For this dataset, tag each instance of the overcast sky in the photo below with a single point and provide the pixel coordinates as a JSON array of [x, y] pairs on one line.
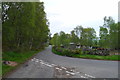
[[65, 15]]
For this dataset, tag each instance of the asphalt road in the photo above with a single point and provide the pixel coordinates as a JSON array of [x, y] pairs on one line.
[[49, 65]]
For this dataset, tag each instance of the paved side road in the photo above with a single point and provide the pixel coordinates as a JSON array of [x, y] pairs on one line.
[[48, 65]]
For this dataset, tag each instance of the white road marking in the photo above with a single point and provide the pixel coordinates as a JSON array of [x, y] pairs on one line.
[[48, 65], [67, 74], [36, 61], [89, 76], [63, 67], [32, 59], [77, 72], [83, 77], [70, 72], [60, 69], [53, 65], [56, 68], [40, 60]]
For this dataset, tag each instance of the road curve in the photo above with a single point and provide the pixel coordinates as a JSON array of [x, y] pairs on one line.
[[49, 65]]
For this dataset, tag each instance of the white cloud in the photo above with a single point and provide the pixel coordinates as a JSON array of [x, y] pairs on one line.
[[65, 15]]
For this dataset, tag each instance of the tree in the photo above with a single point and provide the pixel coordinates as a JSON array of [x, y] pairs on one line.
[[61, 39], [25, 26], [109, 33], [74, 37], [78, 30], [119, 35], [55, 40], [114, 36], [87, 36], [104, 37]]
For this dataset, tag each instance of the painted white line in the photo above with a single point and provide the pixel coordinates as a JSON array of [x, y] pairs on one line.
[[89, 76], [48, 65], [53, 65], [36, 61], [70, 72], [83, 77], [32, 59], [60, 69], [63, 67], [40, 60], [57, 68]]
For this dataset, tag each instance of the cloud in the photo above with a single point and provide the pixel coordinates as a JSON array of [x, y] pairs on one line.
[[65, 15]]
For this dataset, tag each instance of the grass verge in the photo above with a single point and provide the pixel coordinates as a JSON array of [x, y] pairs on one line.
[[86, 56], [20, 58]]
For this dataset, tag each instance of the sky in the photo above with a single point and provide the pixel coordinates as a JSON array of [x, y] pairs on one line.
[[65, 15]]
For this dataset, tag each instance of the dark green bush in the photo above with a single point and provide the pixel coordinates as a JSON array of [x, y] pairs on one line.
[[67, 52]]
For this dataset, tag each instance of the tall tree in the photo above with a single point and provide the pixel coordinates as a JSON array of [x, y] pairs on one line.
[[109, 33], [114, 36], [87, 36], [25, 26], [55, 40], [74, 38], [78, 30], [104, 37]]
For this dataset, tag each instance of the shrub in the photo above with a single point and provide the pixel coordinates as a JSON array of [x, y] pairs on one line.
[[67, 52]]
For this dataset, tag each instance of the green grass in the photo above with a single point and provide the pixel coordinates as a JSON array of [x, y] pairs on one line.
[[86, 56], [112, 57], [17, 57]]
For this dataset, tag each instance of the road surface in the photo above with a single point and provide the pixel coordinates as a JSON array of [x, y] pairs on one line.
[[49, 65]]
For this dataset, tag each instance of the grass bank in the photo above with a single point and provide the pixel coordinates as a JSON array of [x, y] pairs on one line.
[[86, 56], [20, 58]]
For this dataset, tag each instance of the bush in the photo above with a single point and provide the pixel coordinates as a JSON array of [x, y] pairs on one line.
[[66, 52], [69, 52]]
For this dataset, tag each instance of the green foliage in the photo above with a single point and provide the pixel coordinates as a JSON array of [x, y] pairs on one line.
[[60, 39], [74, 38], [71, 53], [80, 35], [114, 36], [24, 25], [109, 34], [104, 37], [78, 30], [24, 30], [87, 36], [55, 40], [66, 52]]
